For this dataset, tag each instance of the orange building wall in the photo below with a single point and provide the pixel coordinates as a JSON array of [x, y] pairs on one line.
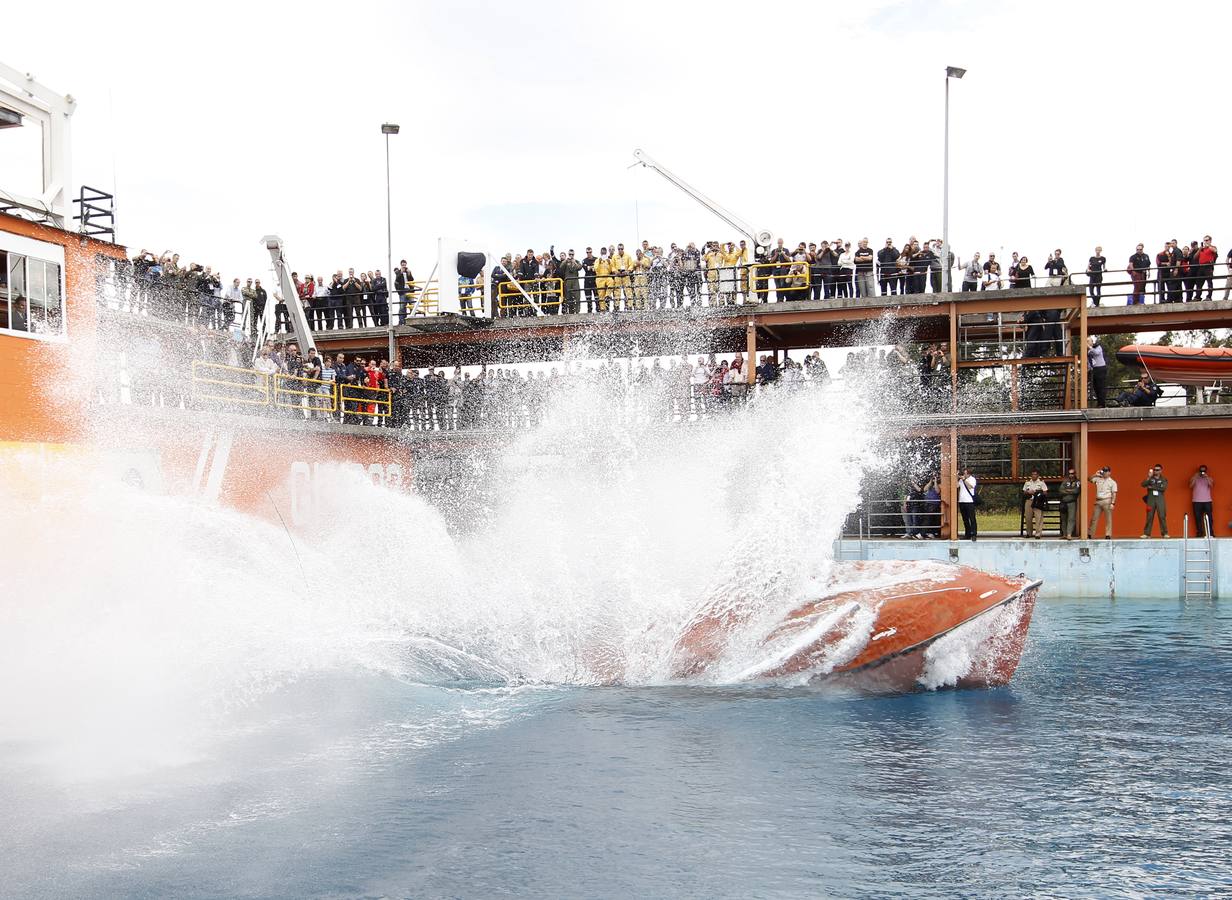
[[1180, 451], [29, 367]]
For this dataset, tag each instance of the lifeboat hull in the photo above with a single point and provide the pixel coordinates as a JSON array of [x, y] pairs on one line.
[[1182, 365], [913, 627]]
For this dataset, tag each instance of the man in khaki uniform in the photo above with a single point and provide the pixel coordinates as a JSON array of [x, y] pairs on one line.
[[1105, 501], [1036, 492]]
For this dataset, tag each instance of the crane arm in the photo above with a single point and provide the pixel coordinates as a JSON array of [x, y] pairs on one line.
[[290, 296], [760, 238]]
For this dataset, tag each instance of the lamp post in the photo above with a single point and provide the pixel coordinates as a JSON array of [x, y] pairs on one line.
[[387, 129], [950, 72]]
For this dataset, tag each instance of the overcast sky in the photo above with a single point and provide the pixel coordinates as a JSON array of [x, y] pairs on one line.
[[1078, 123]]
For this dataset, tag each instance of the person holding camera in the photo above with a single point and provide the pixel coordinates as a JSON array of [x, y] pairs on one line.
[[1200, 485], [1105, 501], [1155, 485], [1036, 494], [968, 497]]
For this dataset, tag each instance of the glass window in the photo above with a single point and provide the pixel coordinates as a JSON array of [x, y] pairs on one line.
[[55, 306], [35, 279], [31, 295], [36, 306], [4, 289], [18, 320]]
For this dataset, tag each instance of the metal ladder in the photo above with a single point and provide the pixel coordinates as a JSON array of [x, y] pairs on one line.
[[1198, 565], [842, 550]]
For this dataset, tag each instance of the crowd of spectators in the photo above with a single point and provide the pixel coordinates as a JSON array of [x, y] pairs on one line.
[[652, 277], [362, 390]]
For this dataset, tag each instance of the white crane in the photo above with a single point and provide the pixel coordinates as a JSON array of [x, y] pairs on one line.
[[760, 237]]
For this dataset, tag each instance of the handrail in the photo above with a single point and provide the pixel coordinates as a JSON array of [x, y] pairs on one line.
[[282, 378], [381, 399], [261, 385], [508, 295]]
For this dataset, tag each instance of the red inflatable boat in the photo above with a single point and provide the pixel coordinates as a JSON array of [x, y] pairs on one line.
[[1182, 365], [888, 627]]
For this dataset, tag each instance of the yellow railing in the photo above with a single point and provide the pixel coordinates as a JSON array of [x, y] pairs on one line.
[[229, 384], [366, 401], [798, 277], [232, 384], [290, 391], [429, 300], [544, 291]]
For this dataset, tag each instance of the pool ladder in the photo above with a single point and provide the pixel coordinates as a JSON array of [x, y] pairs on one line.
[[843, 549], [1198, 565]]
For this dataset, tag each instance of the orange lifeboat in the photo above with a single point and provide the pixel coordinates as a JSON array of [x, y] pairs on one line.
[[888, 627], [1182, 365]]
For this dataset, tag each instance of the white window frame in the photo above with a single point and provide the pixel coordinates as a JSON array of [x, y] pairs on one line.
[[39, 251]]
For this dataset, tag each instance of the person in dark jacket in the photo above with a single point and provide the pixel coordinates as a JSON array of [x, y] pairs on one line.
[[380, 299], [1144, 393], [1139, 268], [589, 282], [400, 402], [528, 275], [568, 272], [1071, 490], [353, 298], [887, 268], [404, 287], [1156, 486]]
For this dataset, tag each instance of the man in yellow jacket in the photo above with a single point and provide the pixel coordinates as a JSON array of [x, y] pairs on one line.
[[641, 279], [603, 279], [713, 260], [622, 282]]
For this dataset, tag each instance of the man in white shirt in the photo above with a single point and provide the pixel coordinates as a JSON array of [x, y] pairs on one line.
[[1105, 501], [967, 492]]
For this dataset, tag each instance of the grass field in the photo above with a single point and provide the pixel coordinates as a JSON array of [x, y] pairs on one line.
[[998, 520]]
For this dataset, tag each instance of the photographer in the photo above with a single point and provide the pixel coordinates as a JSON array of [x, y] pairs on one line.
[[1201, 486], [1105, 501], [1156, 485], [1035, 493]]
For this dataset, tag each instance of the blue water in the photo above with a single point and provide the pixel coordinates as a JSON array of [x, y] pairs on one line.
[[1102, 771]]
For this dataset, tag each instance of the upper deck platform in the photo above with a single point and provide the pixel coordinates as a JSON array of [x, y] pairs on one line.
[[463, 340]]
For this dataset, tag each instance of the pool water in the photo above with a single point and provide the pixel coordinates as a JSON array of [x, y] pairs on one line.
[[1103, 770]]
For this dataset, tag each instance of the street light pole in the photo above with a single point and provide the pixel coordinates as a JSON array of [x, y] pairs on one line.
[[387, 129], [950, 72]]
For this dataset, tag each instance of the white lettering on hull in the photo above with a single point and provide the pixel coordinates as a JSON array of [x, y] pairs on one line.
[[307, 481]]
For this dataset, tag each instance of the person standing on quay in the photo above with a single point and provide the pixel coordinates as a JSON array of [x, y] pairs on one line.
[[967, 492], [1071, 489], [1155, 485], [1036, 492], [1201, 485], [1105, 501]]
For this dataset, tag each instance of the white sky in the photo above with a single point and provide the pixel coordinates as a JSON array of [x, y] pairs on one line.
[[1078, 123]]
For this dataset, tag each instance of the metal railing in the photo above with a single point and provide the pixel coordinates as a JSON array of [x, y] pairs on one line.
[[226, 385], [181, 298], [548, 293], [312, 394], [361, 400], [229, 384]]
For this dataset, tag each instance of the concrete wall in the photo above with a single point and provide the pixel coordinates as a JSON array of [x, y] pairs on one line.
[[1124, 569]]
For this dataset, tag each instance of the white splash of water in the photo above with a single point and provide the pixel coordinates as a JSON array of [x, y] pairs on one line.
[[972, 648], [137, 622]]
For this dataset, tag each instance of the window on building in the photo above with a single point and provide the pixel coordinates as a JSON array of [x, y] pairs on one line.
[[31, 295]]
